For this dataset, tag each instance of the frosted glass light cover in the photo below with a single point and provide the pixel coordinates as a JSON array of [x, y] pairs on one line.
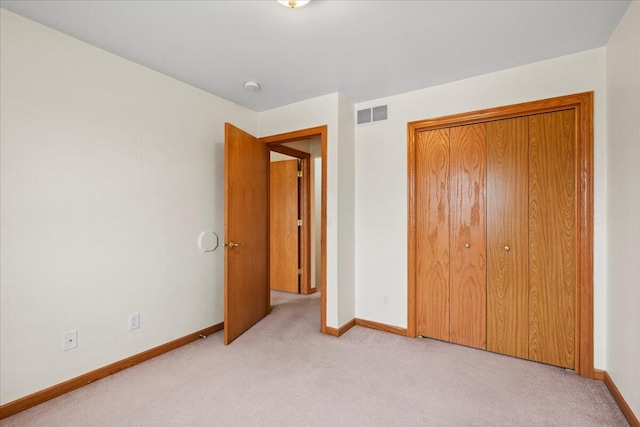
[[293, 3]]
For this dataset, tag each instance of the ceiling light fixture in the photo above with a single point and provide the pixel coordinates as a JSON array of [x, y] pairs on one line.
[[252, 86], [293, 3]]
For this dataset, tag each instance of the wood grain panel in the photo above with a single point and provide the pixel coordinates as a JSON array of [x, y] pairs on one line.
[[432, 237], [246, 221], [508, 228], [582, 100], [582, 104], [468, 309], [412, 231], [552, 238], [584, 256], [283, 228]]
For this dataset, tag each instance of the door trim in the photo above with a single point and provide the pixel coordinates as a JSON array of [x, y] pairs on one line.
[[582, 104], [304, 205], [274, 143], [291, 152]]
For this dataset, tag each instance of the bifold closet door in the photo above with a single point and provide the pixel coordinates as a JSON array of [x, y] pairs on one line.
[[496, 232], [507, 237], [432, 237], [468, 303], [552, 238]]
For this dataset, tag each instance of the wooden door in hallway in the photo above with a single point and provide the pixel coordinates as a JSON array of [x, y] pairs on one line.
[[246, 290], [284, 233]]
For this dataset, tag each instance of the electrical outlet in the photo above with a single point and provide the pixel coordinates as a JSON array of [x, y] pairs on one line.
[[70, 340], [134, 321], [385, 299]]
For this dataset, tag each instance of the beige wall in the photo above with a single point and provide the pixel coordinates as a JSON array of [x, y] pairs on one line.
[[109, 172], [623, 200], [346, 202]]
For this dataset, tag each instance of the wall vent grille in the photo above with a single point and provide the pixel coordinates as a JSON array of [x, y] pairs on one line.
[[372, 115]]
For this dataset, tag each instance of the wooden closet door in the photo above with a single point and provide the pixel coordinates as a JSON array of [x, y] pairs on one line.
[[432, 237], [552, 238], [507, 237], [468, 317]]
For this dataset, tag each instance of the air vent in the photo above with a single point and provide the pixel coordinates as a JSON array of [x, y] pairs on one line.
[[372, 115], [364, 116], [380, 113]]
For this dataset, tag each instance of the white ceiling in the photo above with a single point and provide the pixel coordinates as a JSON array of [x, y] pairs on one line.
[[364, 49]]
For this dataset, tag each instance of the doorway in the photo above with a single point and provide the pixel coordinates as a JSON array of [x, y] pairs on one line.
[[294, 216], [246, 260], [309, 148]]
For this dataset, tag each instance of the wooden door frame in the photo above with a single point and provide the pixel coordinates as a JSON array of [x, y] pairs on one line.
[[582, 104], [274, 143], [304, 206]]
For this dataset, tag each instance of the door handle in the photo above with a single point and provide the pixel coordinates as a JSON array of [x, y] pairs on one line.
[[232, 244]]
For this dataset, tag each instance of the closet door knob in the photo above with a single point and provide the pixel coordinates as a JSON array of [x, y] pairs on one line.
[[507, 248], [466, 245]]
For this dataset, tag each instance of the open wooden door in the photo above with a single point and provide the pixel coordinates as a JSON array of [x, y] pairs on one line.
[[246, 218]]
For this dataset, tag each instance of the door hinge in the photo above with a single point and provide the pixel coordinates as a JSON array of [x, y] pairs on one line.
[[299, 223], [299, 271], [299, 174]]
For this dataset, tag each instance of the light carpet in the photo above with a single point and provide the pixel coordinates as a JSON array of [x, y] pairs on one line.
[[284, 372]]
